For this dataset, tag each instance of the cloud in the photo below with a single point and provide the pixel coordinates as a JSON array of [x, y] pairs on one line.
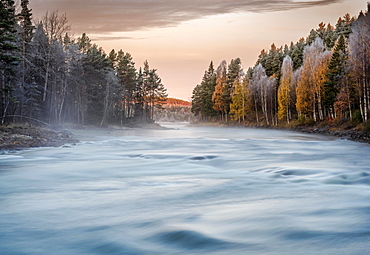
[[106, 16], [112, 38]]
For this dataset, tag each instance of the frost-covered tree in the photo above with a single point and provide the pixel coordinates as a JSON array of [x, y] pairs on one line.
[[310, 87], [359, 57], [264, 92]]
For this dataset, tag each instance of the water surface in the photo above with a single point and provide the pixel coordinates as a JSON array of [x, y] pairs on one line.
[[189, 190]]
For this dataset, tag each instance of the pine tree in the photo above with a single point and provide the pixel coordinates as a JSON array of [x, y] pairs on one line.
[[335, 74], [84, 42], [208, 84], [234, 72], [127, 75], [26, 32], [202, 104], [311, 37], [196, 100], [9, 57], [95, 68], [153, 90], [25, 19], [343, 26], [297, 54]]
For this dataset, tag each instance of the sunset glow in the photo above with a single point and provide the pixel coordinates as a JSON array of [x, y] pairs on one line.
[[180, 38]]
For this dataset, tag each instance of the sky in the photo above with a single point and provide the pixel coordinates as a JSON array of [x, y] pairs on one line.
[[180, 38]]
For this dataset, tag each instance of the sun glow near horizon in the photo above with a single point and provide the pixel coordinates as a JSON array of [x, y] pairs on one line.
[[181, 51]]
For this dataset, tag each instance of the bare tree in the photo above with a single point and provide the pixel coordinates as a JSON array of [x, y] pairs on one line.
[[55, 26]]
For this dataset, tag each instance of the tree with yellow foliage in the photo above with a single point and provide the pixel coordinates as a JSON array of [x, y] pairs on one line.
[[220, 95], [284, 98], [239, 104], [319, 78], [313, 76]]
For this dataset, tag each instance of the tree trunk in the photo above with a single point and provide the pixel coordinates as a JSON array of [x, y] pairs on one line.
[[47, 73]]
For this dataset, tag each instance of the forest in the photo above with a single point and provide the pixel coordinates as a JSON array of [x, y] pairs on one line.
[[46, 76], [324, 77]]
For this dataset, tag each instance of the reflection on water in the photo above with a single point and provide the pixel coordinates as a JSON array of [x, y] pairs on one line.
[[187, 190]]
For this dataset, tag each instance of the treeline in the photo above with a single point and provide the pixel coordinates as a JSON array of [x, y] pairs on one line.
[[47, 76], [325, 76]]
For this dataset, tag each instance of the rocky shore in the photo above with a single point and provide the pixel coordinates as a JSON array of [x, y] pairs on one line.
[[20, 137], [351, 134]]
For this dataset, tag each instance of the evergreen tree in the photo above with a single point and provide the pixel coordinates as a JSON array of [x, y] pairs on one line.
[[127, 76], [196, 100], [330, 37], [84, 42], [95, 68], [297, 54], [9, 57], [25, 19], [343, 26], [335, 75], [26, 32], [202, 104], [153, 90], [311, 37], [234, 72]]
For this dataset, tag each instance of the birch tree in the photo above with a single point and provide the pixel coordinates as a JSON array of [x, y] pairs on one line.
[[359, 57], [284, 92]]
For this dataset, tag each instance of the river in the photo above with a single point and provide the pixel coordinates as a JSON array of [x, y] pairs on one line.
[[187, 190]]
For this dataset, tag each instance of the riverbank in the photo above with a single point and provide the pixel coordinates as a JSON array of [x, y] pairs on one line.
[[344, 131], [16, 137], [350, 134], [22, 136]]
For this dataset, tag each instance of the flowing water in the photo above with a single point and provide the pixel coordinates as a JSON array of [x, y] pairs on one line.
[[188, 190]]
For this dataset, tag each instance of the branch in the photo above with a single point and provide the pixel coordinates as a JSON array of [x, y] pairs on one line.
[[19, 116]]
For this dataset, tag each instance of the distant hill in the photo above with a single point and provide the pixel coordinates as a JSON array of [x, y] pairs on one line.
[[174, 109], [176, 102]]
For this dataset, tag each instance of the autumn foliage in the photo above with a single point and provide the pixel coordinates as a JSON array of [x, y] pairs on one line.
[[324, 76]]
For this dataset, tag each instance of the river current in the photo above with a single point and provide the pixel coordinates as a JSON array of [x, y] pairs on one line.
[[187, 190]]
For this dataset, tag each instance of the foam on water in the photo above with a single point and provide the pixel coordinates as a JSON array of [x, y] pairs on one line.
[[185, 190]]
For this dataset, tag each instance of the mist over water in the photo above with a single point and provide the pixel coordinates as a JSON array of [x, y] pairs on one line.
[[187, 190]]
